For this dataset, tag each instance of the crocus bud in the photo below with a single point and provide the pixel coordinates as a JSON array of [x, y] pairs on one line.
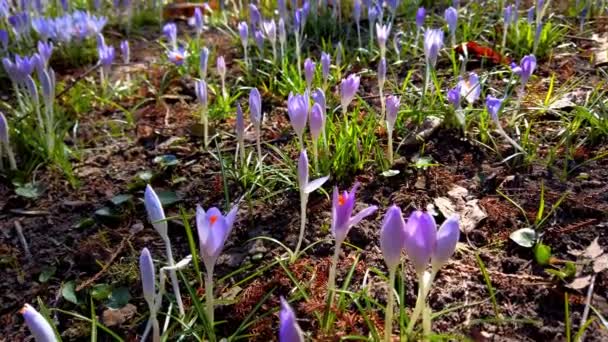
[[357, 11], [392, 235], [348, 90], [45, 50], [213, 230], [493, 106], [447, 238], [125, 51], [420, 239], [318, 96], [254, 16], [282, 32], [531, 15], [454, 96], [433, 42], [392, 109], [148, 276], [451, 17], [243, 33], [240, 122], [508, 14], [255, 106], [309, 72], [382, 33], [420, 16], [221, 67], [526, 68], [4, 39], [170, 32], [259, 40], [297, 108], [325, 63], [270, 29], [470, 88], [200, 88], [307, 187], [289, 330], [156, 214], [198, 20], [339, 54], [317, 121], [203, 62], [382, 72], [38, 325], [342, 209]]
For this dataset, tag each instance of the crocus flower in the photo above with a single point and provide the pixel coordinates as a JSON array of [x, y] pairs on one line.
[[221, 67], [357, 11], [38, 325], [318, 96], [4, 39], [240, 130], [420, 15], [255, 106], [309, 72], [170, 31], [373, 12], [530, 17], [508, 14], [282, 36], [297, 108], [342, 220], [177, 56], [4, 136], [325, 63], [213, 230], [447, 238], [200, 88], [243, 33], [155, 211], [148, 276], [289, 330], [198, 20], [382, 33], [45, 50], [254, 16], [420, 239], [317, 121], [270, 28], [306, 186], [454, 96], [392, 109], [493, 106], [470, 88], [526, 68], [258, 36], [125, 51], [433, 42], [348, 90], [106, 57], [392, 235], [451, 17], [203, 62]]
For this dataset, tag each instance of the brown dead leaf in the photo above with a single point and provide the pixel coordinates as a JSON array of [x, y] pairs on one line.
[[116, 317], [600, 264], [580, 283], [594, 250]]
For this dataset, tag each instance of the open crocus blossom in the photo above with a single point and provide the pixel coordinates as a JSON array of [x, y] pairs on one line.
[[382, 33], [297, 108], [342, 220], [213, 229], [525, 69], [38, 325], [348, 90], [470, 89], [289, 330], [433, 42], [177, 56], [420, 239]]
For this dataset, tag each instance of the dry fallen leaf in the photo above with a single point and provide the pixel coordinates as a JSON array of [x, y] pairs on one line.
[[580, 283], [600, 264], [594, 250], [471, 214], [116, 317]]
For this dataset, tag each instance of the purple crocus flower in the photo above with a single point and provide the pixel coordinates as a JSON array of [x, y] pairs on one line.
[[259, 40], [348, 90], [508, 14], [155, 211], [255, 106], [270, 29], [420, 16], [454, 96], [447, 238], [433, 42], [420, 239], [177, 56], [45, 50], [213, 229], [493, 106], [357, 11], [20, 22], [309, 72], [470, 88], [4, 39], [243, 33], [203, 62], [392, 235], [170, 31], [297, 108], [451, 17], [198, 20], [221, 67], [282, 32], [38, 325], [125, 51], [325, 63], [526, 68], [282, 6], [148, 276], [318, 96], [200, 88], [382, 33], [254, 16], [289, 330], [305, 185], [342, 220], [317, 121], [44, 27], [106, 56], [392, 109], [531, 12], [392, 5], [373, 12]]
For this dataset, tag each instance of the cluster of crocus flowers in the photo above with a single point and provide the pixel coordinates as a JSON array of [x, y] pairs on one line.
[[156, 215], [306, 187], [40, 328]]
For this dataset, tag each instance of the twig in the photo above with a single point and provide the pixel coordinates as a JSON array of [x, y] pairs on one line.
[[587, 305], [92, 280], [26, 248], [77, 79]]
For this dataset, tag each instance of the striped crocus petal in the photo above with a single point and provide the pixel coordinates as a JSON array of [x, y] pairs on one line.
[[156, 214], [147, 273], [38, 325]]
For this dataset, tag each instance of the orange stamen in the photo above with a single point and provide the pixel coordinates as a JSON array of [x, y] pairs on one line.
[[212, 219], [341, 200]]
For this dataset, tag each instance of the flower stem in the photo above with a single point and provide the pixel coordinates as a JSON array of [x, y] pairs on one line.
[[426, 322], [174, 282], [388, 321], [390, 146], [331, 284], [209, 294], [303, 202], [258, 144], [155, 330]]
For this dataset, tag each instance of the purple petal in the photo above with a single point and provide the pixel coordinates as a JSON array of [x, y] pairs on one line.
[[420, 239], [148, 276], [156, 214], [447, 238], [289, 330], [38, 325], [391, 236]]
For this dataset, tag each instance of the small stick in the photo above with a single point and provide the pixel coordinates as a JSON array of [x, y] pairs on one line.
[[26, 248]]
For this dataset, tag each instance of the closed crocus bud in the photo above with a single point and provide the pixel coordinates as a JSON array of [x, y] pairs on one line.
[[433, 42], [420, 16], [317, 120], [508, 14], [4, 39], [221, 67], [339, 54], [531, 15], [325, 63], [255, 106], [45, 50], [289, 330], [297, 108], [200, 88], [357, 10], [420, 239], [125, 51], [254, 16], [454, 96], [392, 235], [243, 32], [342, 220], [382, 72], [309, 72], [203, 62], [493, 106], [148, 276], [447, 238], [198, 19], [270, 29], [392, 109], [527, 65], [451, 17], [213, 230], [303, 181], [348, 90], [259, 40], [170, 31], [470, 89], [282, 32], [318, 96], [38, 325], [156, 214]]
